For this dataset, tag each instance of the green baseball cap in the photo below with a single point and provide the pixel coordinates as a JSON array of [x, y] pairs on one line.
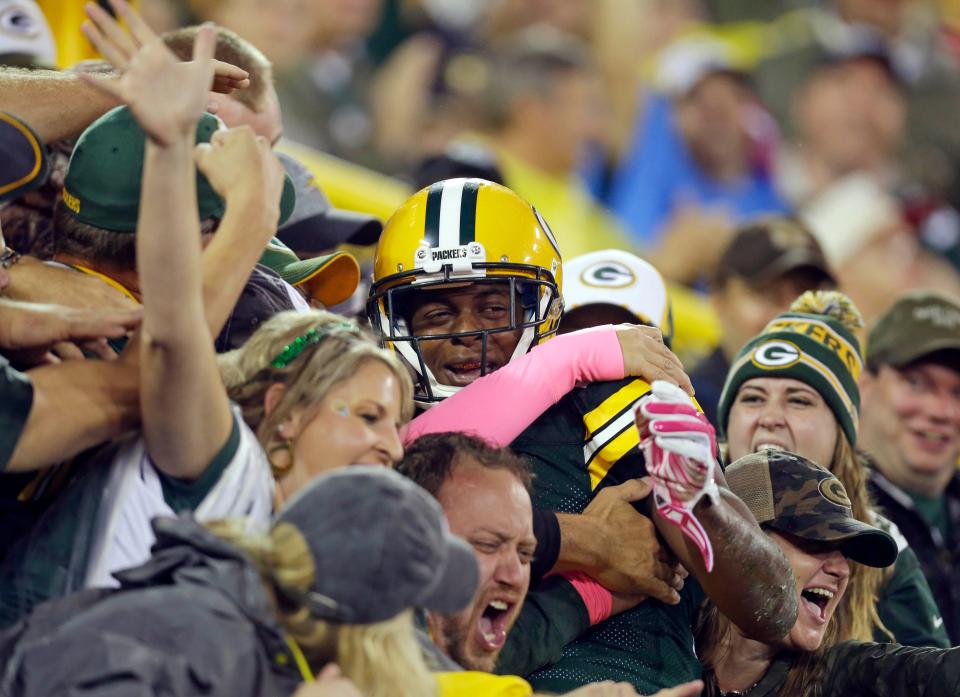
[[918, 324], [102, 184], [331, 278], [790, 494]]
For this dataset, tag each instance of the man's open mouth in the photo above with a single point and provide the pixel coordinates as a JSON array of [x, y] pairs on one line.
[[492, 625], [465, 372]]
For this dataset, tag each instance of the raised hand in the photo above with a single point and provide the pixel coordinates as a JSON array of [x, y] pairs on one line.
[[632, 563], [241, 166], [646, 356], [166, 96], [119, 47]]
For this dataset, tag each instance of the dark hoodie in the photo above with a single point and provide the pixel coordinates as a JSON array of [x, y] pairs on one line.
[[194, 620]]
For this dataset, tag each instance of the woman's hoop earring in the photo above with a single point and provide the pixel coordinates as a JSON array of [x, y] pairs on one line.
[[280, 457]]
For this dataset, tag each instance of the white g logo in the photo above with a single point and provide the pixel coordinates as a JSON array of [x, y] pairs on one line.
[[776, 354], [608, 274]]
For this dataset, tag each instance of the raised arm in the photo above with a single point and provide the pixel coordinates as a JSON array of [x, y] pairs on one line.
[[60, 105], [185, 411], [56, 105], [535, 382]]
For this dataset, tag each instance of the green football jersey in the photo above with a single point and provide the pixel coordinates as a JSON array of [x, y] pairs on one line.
[[587, 441]]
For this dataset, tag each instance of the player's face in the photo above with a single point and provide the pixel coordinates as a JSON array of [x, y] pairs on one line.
[[784, 414], [460, 310], [491, 510], [356, 423], [822, 575]]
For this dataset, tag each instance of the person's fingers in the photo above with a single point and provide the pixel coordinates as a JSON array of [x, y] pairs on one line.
[[680, 426], [630, 490], [89, 326], [106, 85], [228, 72], [101, 349], [201, 154], [112, 31], [212, 107], [687, 689], [205, 44], [140, 30], [49, 359], [68, 351], [110, 53]]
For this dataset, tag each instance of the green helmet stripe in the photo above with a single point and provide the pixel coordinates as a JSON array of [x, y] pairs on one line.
[[468, 212], [431, 232]]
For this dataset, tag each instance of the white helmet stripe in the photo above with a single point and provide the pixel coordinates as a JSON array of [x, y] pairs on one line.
[[450, 201]]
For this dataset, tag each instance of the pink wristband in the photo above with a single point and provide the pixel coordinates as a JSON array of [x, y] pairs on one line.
[[597, 599]]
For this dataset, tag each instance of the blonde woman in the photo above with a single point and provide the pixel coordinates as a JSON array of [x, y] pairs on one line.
[[226, 611], [794, 387]]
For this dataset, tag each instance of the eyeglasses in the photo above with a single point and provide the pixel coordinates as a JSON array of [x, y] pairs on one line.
[[8, 258]]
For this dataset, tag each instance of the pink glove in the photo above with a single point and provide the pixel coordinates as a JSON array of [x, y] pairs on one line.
[[679, 447]]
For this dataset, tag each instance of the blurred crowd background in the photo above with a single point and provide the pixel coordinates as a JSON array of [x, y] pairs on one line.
[[654, 126]]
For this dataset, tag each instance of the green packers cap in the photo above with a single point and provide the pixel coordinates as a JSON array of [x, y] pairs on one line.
[[790, 494], [917, 324], [23, 158], [331, 278], [813, 343], [102, 184]]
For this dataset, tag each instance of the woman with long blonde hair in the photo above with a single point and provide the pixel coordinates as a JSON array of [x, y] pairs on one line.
[[232, 610], [794, 387]]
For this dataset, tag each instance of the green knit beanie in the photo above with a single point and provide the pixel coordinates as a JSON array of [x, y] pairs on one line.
[[814, 342]]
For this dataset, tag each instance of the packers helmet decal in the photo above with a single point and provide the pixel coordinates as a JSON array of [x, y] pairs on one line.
[[464, 231]]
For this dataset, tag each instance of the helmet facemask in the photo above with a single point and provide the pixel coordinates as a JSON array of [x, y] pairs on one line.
[[535, 306]]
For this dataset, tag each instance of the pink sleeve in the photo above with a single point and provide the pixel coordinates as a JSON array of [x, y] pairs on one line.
[[500, 406], [597, 599]]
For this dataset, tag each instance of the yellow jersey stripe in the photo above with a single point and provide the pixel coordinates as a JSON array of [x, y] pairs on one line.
[[612, 406], [611, 454]]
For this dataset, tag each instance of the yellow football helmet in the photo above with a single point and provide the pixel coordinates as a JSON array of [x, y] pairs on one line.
[[458, 232]]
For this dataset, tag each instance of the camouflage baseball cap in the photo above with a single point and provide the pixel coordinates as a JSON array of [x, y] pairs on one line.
[[790, 494], [916, 325]]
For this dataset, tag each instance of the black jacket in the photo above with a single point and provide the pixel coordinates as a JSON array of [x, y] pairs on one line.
[[939, 561], [855, 669], [194, 620]]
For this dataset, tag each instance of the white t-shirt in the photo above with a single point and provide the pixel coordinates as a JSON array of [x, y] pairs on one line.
[[135, 494]]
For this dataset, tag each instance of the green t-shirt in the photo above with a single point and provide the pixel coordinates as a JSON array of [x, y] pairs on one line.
[[905, 603], [585, 442], [935, 514]]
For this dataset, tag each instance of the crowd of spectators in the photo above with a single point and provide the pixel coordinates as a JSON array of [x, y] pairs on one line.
[[302, 395]]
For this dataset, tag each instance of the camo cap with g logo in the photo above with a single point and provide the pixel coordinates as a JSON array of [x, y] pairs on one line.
[[790, 494]]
